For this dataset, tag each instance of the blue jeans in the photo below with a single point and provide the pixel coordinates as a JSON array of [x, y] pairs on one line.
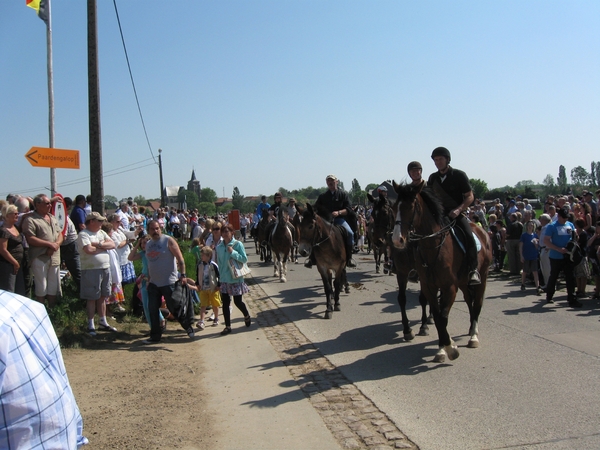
[[342, 222]]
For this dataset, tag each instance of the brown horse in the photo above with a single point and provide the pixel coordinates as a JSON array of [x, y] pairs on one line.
[[282, 244], [440, 261], [327, 243]]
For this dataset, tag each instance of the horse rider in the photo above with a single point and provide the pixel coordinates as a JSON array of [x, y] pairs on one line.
[[262, 206], [277, 203], [336, 201], [454, 190], [415, 172]]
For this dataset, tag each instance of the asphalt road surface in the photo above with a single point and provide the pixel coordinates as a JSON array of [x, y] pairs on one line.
[[533, 383]]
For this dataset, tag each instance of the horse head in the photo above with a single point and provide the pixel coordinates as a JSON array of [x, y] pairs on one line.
[[418, 212], [308, 230]]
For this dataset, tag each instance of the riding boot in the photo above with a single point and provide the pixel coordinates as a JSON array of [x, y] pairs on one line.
[[349, 261]]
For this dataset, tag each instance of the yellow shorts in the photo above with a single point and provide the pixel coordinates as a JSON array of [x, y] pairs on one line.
[[210, 298]]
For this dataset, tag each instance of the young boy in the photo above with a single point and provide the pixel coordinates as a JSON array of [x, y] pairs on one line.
[[208, 284], [528, 248]]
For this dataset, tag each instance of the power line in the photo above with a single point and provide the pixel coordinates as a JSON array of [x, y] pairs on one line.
[[132, 82]]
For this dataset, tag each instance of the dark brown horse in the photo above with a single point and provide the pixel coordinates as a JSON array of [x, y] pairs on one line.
[[379, 228], [440, 261], [262, 234], [326, 242], [380, 231], [282, 244]]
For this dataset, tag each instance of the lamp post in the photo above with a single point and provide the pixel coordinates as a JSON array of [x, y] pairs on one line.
[[162, 187]]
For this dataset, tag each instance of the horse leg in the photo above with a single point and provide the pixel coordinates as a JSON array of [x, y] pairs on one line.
[[327, 285], [377, 257], [424, 330], [409, 335], [283, 278], [337, 287], [474, 299], [345, 282], [440, 311]]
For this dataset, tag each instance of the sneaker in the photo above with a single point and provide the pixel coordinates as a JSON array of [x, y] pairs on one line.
[[474, 278], [211, 318], [200, 325], [190, 332], [522, 287], [150, 341], [215, 323], [92, 332], [118, 308], [538, 291]]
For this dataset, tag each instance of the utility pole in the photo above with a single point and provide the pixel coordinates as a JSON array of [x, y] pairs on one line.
[[162, 186], [96, 181]]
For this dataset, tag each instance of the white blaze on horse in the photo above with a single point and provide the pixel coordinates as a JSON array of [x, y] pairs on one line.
[[440, 261]]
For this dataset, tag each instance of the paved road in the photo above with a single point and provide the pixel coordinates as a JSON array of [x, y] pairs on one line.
[[533, 383]]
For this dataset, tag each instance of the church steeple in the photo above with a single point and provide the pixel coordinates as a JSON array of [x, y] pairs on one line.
[[194, 185]]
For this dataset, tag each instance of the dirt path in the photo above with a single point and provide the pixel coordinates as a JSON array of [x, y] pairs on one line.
[[132, 396]]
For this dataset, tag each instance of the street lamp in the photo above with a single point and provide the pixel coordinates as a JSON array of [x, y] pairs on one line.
[[162, 187]]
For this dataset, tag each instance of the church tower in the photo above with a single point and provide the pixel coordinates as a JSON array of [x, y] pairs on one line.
[[194, 185]]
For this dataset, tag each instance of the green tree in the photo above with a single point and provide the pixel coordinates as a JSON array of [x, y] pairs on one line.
[[479, 187], [561, 181], [207, 208], [357, 195], [208, 195], [189, 198], [237, 199], [580, 176], [548, 186], [284, 192], [110, 202], [371, 186], [140, 200]]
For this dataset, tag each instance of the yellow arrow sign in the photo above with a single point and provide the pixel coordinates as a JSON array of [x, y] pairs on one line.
[[55, 158]]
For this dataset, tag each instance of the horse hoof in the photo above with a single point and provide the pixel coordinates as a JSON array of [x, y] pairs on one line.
[[282, 280], [430, 321], [439, 358], [377, 270], [473, 342], [452, 353], [347, 289], [409, 336], [328, 314], [336, 308], [423, 332]]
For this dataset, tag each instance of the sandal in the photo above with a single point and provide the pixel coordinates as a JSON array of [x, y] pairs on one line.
[[226, 331]]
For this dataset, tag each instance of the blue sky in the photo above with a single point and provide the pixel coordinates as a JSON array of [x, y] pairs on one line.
[[269, 94]]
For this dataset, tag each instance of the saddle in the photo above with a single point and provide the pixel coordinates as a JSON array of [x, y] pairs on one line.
[[461, 243]]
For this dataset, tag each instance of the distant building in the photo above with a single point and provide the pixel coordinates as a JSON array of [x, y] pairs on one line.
[[171, 195], [194, 185]]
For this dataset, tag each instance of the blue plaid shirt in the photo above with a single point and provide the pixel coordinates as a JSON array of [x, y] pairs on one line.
[[37, 406]]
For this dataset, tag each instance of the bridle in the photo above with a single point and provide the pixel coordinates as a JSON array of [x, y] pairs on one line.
[[415, 237]]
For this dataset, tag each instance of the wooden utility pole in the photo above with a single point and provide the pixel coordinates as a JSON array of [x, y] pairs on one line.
[[96, 174]]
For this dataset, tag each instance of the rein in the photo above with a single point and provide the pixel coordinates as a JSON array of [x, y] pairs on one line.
[[320, 235]]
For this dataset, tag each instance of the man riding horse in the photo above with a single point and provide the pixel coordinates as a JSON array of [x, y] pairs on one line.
[[452, 187], [336, 202], [272, 211]]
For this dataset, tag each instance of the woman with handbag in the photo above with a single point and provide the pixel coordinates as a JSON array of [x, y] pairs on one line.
[[231, 256]]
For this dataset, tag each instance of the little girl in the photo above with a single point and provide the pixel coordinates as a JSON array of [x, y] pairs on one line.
[[208, 284]]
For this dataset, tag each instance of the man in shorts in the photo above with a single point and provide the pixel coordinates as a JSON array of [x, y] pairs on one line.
[[93, 245]]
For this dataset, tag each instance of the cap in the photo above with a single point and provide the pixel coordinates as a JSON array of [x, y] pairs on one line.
[[331, 176], [584, 193], [382, 188], [95, 216]]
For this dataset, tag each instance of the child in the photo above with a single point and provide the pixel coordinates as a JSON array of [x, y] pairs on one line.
[[208, 284], [117, 297]]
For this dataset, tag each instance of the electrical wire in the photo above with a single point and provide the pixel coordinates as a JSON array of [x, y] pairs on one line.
[[132, 82]]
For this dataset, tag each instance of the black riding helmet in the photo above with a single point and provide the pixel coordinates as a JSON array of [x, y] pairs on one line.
[[414, 165], [441, 151]]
